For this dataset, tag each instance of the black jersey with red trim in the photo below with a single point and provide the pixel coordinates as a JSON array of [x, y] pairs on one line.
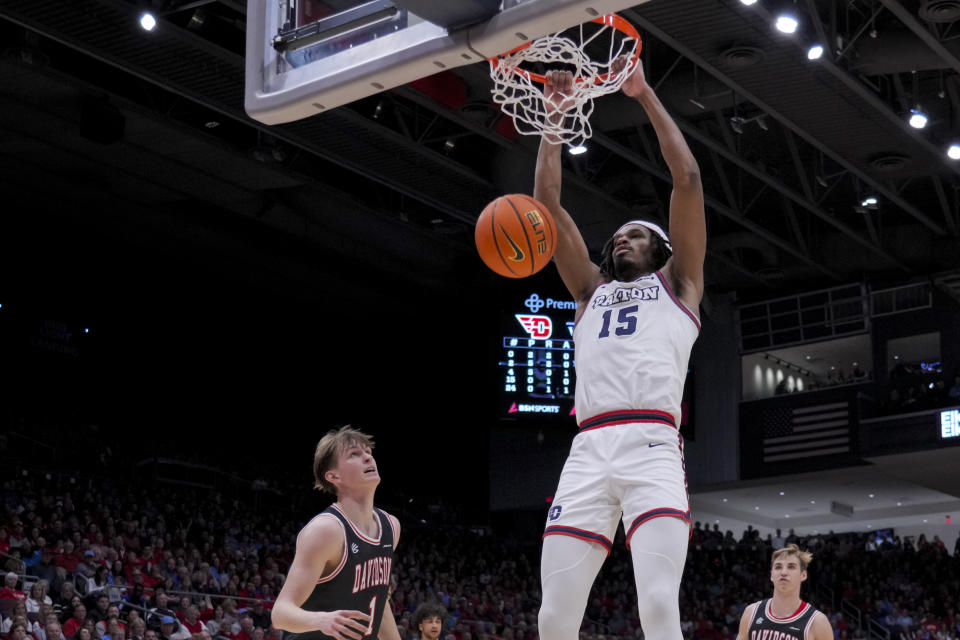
[[766, 626], [361, 582]]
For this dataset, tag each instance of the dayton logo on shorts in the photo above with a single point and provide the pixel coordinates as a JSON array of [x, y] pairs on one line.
[[540, 327], [554, 512]]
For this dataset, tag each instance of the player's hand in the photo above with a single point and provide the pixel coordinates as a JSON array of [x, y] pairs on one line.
[[636, 83], [344, 625], [558, 92]]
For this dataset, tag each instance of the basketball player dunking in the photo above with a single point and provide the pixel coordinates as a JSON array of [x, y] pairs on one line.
[[636, 323], [339, 582], [785, 616]]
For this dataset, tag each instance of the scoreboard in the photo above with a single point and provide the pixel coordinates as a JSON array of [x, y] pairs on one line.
[[536, 362]]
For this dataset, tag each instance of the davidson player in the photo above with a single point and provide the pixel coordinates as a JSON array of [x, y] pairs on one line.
[[339, 582], [785, 616]]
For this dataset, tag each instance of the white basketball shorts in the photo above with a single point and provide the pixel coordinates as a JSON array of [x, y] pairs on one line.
[[633, 470]]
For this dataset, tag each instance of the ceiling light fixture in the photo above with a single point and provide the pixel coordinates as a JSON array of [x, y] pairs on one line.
[[147, 21], [577, 150], [954, 152], [786, 23], [749, 3], [918, 119], [815, 52]]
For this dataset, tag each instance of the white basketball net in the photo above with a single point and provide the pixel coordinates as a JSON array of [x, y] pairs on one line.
[[523, 99]]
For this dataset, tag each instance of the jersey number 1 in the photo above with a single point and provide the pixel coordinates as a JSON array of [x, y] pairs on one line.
[[626, 319], [373, 607]]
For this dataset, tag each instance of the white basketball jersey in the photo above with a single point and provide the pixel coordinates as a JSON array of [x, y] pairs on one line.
[[633, 344]]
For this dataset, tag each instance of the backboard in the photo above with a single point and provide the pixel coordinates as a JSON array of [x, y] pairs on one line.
[[305, 57]]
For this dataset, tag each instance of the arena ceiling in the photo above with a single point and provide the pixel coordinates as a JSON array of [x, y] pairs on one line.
[[111, 130]]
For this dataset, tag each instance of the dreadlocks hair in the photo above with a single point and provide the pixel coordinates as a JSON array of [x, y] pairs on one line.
[[659, 250]]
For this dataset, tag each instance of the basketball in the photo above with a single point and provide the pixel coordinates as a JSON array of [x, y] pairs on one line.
[[515, 236]]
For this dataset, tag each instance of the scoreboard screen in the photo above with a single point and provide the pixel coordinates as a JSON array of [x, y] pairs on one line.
[[536, 365]]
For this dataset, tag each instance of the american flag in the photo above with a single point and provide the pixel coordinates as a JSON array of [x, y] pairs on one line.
[[806, 432]]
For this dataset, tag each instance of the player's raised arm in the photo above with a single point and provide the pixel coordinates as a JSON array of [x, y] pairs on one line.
[[688, 229], [578, 273], [319, 547]]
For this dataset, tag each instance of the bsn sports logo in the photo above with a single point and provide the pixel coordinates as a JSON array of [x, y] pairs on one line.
[[539, 327], [554, 512]]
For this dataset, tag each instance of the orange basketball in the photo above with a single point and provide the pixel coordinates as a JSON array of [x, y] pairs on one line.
[[515, 235]]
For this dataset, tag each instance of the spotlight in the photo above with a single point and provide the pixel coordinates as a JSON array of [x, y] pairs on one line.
[[918, 119], [868, 202], [196, 20], [954, 152], [786, 23], [577, 150], [147, 21], [814, 52], [749, 2]]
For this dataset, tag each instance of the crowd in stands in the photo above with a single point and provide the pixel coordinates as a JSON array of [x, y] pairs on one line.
[[108, 561], [929, 392]]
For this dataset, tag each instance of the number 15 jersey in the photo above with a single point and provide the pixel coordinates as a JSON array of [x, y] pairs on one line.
[[633, 344]]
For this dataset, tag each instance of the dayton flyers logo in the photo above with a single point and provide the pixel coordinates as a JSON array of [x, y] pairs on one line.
[[540, 327]]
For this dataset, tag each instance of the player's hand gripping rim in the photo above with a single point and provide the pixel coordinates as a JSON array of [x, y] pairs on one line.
[[558, 93], [344, 625]]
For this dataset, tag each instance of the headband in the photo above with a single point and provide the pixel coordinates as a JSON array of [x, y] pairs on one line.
[[655, 228]]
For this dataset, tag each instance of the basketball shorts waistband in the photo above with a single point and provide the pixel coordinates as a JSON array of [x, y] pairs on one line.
[[612, 418]]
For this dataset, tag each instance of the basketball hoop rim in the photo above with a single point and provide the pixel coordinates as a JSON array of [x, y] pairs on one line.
[[610, 20]]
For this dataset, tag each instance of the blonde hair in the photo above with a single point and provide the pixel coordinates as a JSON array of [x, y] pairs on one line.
[[335, 442], [791, 549]]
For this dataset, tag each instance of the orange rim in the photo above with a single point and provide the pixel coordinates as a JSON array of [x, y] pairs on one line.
[[610, 20]]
